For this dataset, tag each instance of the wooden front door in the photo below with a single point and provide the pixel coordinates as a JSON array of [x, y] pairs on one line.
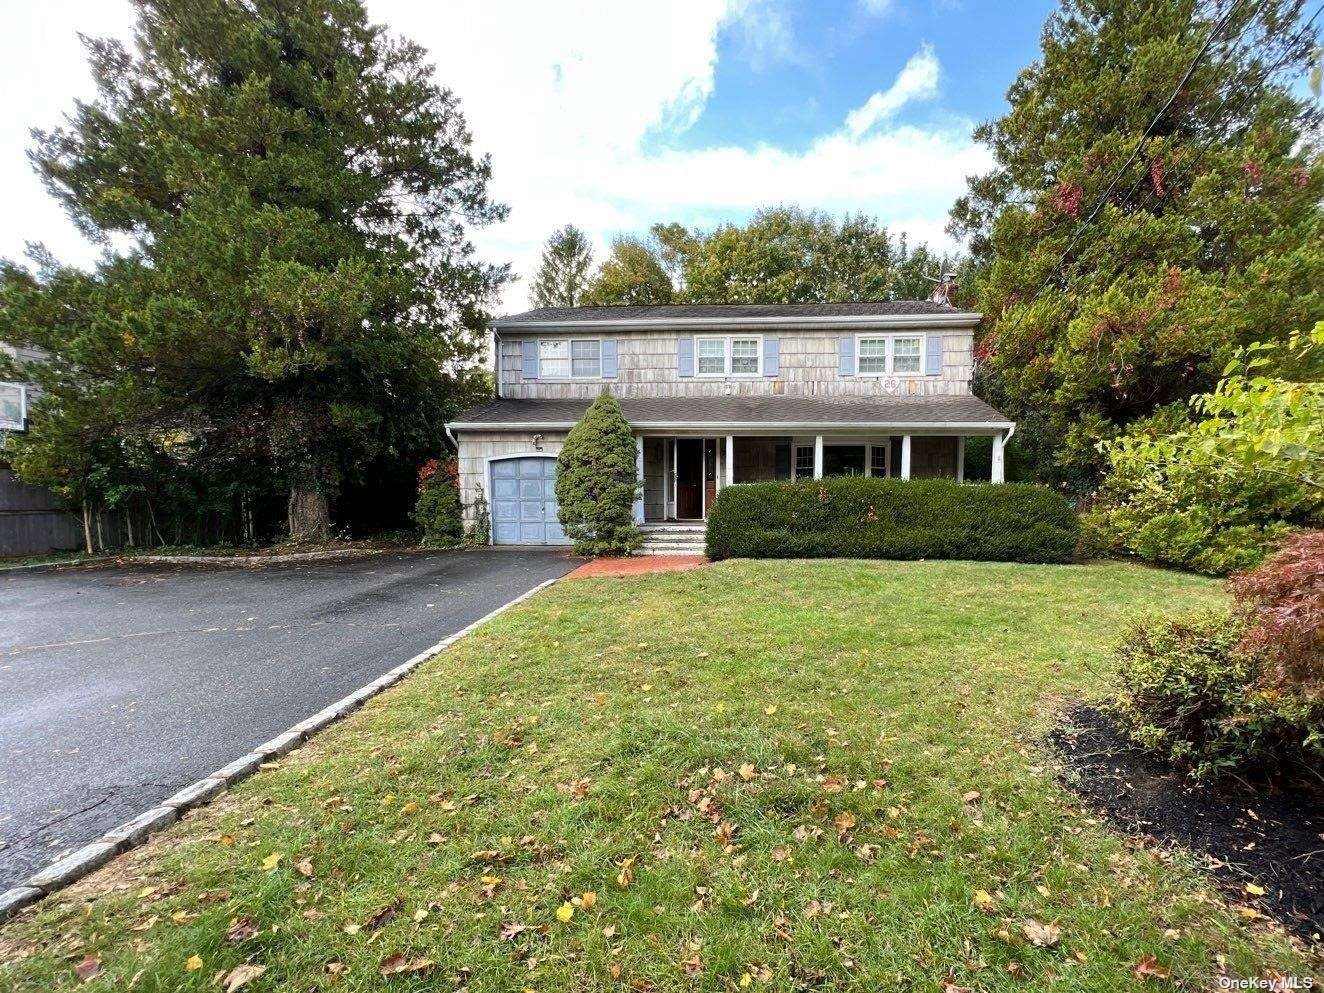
[[709, 473], [689, 478]]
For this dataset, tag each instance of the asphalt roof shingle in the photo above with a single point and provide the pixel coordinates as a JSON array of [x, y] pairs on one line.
[[684, 311], [748, 411]]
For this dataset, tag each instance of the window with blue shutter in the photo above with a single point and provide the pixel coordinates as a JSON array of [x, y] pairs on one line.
[[846, 355], [529, 358], [771, 357], [685, 357], [933, 355]]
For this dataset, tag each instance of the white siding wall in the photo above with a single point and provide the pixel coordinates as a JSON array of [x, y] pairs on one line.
[[809, 366], [476, 447]]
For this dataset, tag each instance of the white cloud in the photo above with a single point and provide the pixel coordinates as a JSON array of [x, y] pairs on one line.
[[917, 80], [568, 99], [764, 29], [878, 8]]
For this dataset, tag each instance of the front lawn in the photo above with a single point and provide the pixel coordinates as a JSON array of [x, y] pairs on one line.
[[774, 776]]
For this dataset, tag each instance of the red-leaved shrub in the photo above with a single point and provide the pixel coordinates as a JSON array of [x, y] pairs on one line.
[[1284, 601]]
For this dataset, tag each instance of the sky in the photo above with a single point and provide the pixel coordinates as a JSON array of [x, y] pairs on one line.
[[615, 114]]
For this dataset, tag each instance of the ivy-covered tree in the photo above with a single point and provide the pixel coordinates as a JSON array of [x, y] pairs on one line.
[[1130, 242], [631, 275], [563, 273], [296, 196]]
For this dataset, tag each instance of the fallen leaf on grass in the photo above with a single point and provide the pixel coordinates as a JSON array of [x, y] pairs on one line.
[[1254, 889], [241, 929], [384, 916], [242, 975], [400, 965], [626, 876], [588, 900], [272, 860], [844, 822], [305, 868], [1148, 967], [88, 969], [565, 912], [1042, 935], [947, 986], [971, 797], [193, 964], [746, 771], [984, 901]]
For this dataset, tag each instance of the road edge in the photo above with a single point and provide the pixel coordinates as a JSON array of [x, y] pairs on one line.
[[134, 832]]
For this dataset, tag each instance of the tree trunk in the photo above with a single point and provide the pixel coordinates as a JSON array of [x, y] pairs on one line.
[[308, 513], [87, 528]]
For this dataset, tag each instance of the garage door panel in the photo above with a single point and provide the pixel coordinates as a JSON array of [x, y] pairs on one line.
[[524, 508]]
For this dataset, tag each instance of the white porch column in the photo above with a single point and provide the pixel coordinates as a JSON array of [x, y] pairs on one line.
[[998, 473], [960, 458], [905, 456], [730, 459], [639, 477], [818, 456]]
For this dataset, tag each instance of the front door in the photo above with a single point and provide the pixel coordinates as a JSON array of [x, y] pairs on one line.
[[709, 473], [689, 478]]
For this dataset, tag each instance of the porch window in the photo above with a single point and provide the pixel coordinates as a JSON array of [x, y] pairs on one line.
[[878, 461], [890, 355], [804, 461], [586, 359]]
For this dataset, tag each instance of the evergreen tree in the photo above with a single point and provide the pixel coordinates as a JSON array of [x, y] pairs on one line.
[[632, 274], [297, 195], [563, 274], [1130, 242], [596, 482]]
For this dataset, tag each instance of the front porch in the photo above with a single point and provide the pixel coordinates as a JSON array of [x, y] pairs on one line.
[[681, 474]]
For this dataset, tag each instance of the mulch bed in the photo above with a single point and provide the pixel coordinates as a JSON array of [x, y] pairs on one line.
[[1271, 839]]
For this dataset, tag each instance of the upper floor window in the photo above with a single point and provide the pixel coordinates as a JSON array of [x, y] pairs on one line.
[[718, 355], [569, 358], [890, 355], [13, 406]]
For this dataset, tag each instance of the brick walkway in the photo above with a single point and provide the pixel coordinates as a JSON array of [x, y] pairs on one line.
[[637, 565]]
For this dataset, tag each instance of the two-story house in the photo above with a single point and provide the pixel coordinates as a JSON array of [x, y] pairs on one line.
[[719, 395]]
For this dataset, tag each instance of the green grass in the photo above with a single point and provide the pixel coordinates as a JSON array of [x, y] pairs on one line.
[[584, 729]]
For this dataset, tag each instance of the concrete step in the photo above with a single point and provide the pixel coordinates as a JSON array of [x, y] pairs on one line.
[[672, 550]]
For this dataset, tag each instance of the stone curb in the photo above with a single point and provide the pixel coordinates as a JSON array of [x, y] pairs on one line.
[[134, 832]]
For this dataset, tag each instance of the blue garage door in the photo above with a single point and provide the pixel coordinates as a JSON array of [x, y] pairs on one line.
[[524, 502]]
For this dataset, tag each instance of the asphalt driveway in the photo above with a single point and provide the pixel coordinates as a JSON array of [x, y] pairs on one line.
[[121, 685]]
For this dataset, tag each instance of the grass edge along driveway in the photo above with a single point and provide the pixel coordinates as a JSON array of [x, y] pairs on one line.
[[774, 776]]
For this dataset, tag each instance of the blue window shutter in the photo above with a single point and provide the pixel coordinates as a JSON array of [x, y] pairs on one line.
[[933, 356], [846, 355], [609, 358], [529, 356], [772, 363], [684, 357]]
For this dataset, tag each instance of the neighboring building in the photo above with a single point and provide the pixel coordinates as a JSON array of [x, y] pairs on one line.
[[33, 521], [719, 395]]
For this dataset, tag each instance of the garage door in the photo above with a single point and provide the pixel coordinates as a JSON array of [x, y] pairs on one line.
[[524, 502]]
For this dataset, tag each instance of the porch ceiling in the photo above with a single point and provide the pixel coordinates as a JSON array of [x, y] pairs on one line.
[[950, 414]]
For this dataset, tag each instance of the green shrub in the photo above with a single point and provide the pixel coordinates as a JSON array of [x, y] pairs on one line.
[[437, 510], [596, 482], [1190, 693], [861, 517]]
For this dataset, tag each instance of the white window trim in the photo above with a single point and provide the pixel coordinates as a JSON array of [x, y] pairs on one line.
[[726, 340], [22, 407], [570, 359], [890, 338]]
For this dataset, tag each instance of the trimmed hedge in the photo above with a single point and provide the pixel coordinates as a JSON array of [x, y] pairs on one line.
[[865, 518]]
